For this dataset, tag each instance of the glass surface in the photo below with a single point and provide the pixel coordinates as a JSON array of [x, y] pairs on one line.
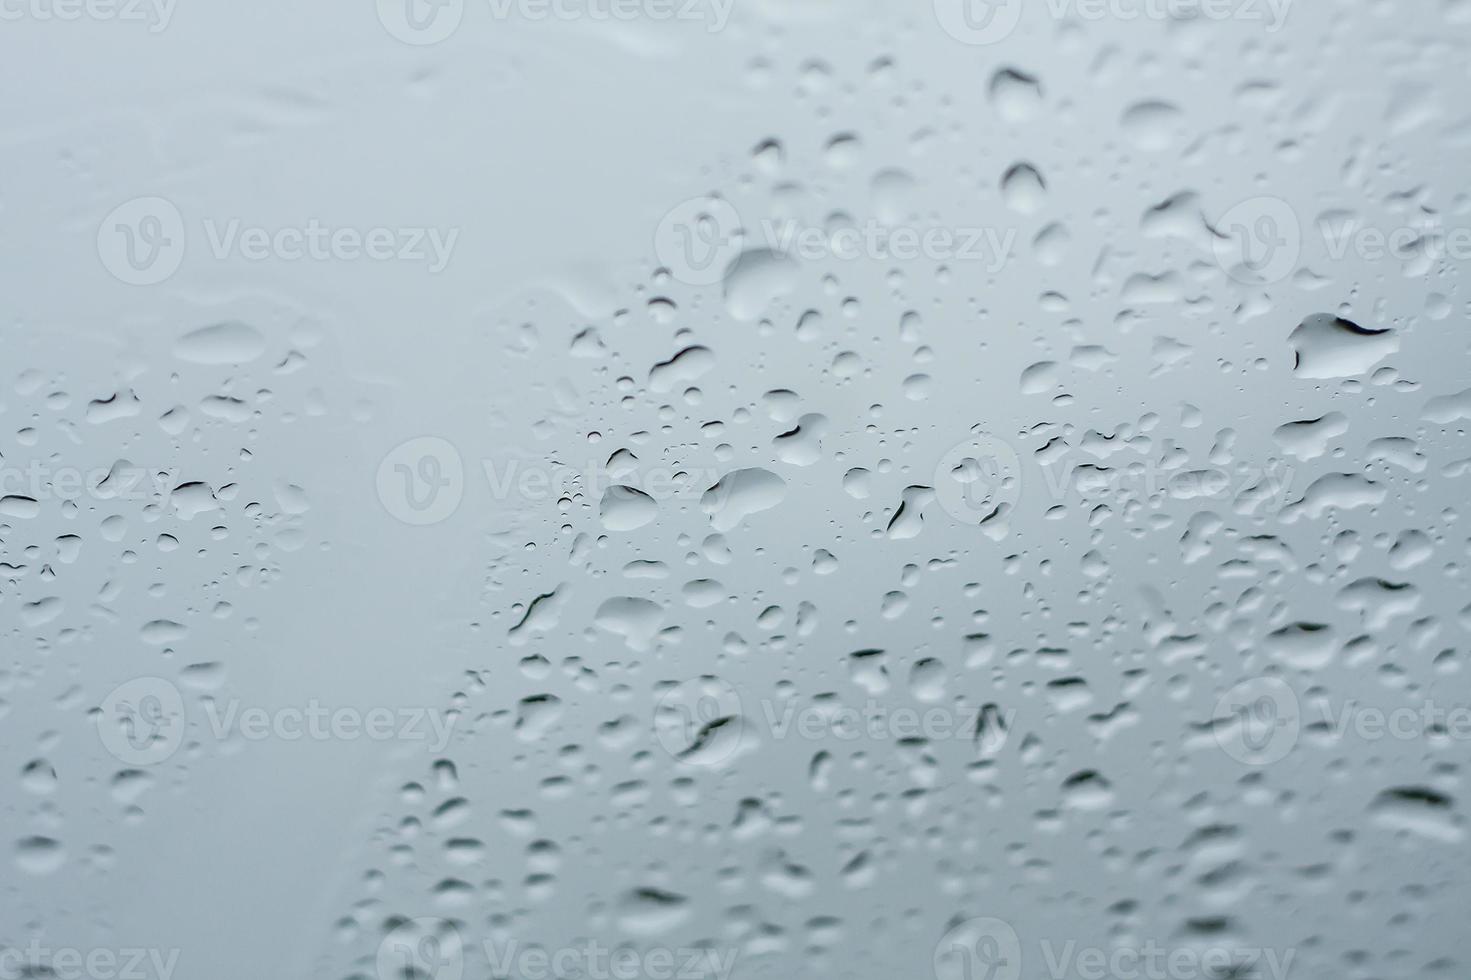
[[723, 489]]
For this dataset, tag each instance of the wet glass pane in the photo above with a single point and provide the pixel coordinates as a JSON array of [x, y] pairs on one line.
[[724, 489]]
